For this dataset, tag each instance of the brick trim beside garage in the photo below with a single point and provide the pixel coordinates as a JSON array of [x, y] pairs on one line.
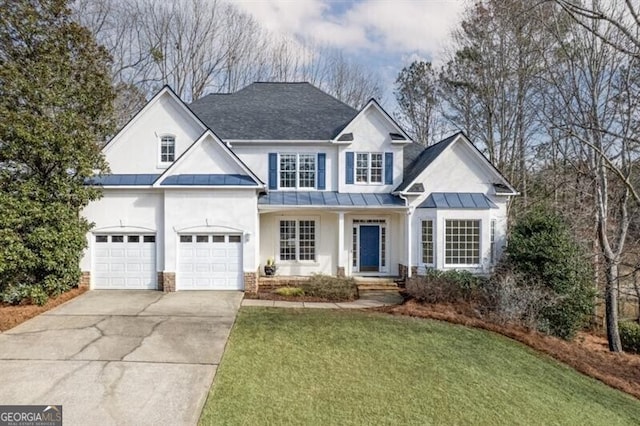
[[167, 281], [250, 282], [85, 279]]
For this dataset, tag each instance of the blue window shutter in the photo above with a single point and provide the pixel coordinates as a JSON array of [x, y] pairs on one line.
[[349, 168], [388, 168], [273, 170], [322, 175]]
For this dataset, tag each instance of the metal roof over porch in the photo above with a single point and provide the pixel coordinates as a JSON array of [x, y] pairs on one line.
[[457, 200], [328, 198]]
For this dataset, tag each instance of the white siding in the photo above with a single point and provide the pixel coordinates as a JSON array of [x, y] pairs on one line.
[[209, 211], [327, 247], [136, 149], [256, 157], [207, 157], [126, 211], [371, 134], [458, 169]]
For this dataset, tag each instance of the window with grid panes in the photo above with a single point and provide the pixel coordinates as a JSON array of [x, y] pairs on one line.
[[167, 149], [369, 167], [427, 242], [288, 170], [287, 240], [462, 242], [298, 240], [297, 170]]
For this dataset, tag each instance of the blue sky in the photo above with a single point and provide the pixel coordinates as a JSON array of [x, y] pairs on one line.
[[383, 34]]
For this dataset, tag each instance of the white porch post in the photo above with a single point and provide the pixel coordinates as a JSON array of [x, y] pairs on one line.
[[341, 252], [408, 239]]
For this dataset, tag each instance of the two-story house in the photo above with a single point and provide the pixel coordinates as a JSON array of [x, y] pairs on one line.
[[200, 196]]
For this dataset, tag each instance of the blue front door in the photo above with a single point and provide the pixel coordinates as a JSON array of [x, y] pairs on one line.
[[369, 248]]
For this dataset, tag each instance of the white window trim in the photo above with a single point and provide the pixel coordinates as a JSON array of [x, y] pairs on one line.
[[165, 164], [355, 168], [433, 243], [297, 172], [444, 246], [297, 219]]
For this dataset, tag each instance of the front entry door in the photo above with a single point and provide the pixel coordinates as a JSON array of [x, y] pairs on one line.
[[369, 248]]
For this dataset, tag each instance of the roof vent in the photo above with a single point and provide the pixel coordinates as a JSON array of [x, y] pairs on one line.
[[501, 188]]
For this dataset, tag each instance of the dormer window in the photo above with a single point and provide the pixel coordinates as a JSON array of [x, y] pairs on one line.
[[167, 149]]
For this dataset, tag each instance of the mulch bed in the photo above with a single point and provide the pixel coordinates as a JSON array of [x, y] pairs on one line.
[[12, 315], [587, 353]]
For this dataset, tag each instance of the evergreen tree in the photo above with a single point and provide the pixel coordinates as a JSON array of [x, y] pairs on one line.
[[55, 105]]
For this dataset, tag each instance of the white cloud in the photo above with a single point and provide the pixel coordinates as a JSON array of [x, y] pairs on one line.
[[399, 27]]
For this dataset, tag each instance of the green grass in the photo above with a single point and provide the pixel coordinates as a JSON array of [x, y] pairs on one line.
[[339, 367]]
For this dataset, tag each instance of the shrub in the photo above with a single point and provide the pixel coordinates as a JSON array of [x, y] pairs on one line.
[[444, 286], [630, 336], [510, 299], [330, 288], [20, 293], [15, 294], [290, 291], [542, 250]]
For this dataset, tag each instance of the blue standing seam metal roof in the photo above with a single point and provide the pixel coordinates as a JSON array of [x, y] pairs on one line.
[[329, 198], [457, 200], [209, 180], [122, 179]]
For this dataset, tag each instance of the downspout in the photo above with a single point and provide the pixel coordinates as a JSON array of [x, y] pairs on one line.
[[409, 219]]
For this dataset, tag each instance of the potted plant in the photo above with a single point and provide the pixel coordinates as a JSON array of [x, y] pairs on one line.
[[270, 267]]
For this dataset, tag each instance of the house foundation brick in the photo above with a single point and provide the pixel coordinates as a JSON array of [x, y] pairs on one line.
[[340, 273], [251, 282], [85, 279], [402, 271], [167, 281]]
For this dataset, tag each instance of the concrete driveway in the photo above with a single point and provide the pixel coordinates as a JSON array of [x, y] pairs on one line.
[[120, 357]]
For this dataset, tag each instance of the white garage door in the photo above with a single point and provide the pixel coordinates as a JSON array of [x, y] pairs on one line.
[[125, 262], [210, 262]]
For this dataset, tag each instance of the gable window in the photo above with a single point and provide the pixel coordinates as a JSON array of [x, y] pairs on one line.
[[298, 240], [297, 171], [369, 167], [427, 242], [462, 242], [167, 149]]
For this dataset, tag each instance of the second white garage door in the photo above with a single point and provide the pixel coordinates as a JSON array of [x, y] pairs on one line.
[[210, 262]]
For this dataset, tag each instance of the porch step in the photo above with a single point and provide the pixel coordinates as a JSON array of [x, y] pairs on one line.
[[377, 283]]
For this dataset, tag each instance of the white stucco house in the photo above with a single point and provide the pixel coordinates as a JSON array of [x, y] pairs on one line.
[[199, 196]]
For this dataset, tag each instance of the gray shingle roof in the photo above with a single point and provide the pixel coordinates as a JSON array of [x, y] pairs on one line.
[[328, 198], [274, 111], [457, 200], [423, 160]]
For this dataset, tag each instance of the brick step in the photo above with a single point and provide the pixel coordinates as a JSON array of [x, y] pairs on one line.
[[378, 287]]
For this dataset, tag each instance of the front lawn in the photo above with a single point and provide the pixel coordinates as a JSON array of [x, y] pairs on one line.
[[341, 367]]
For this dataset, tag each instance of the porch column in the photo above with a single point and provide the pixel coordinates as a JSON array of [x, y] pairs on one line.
[[341, 272], [408, 239]]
